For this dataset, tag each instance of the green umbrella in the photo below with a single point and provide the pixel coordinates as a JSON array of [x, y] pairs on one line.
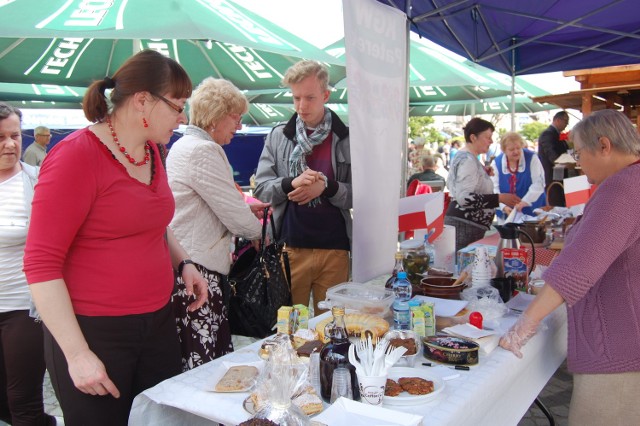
[[35, 60], [221, 20], [499, 105], [42, 42], [70, 97], [435, 75]]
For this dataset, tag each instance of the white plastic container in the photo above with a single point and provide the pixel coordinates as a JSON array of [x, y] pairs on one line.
[[363, 298]]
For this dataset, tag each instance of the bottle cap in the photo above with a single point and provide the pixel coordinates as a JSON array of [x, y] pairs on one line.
[[402, 275]]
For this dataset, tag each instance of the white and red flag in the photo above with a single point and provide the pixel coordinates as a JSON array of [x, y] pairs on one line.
[[577, 190], [423, 211]]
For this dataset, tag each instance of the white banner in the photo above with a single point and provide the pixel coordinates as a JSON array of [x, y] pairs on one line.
[[376, 38]]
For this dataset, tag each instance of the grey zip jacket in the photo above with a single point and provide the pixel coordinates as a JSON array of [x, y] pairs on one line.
[[273, 168]]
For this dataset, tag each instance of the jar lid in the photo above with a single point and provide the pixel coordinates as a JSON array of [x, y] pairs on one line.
[[411, 244]]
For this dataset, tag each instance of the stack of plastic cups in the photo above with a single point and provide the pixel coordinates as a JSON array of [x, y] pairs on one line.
[[481, 272], [314, 371]]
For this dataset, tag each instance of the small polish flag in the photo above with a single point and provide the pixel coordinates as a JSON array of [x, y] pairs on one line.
[[422, 212], [577, 190]]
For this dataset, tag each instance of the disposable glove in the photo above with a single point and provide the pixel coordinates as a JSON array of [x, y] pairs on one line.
[[519, 334]]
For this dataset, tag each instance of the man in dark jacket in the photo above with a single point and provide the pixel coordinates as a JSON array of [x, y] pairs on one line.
[[550, 147], [428, 171]]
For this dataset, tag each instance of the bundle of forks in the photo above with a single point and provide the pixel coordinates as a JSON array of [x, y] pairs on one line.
[[374, 357]]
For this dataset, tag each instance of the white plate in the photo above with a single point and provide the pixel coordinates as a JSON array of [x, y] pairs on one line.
[[405, 398], [346, 411]]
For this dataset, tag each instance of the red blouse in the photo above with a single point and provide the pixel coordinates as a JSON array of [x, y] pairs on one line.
[[100, 230]]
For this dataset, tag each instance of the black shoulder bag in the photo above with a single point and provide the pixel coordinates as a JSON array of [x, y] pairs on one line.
[[259, 284]]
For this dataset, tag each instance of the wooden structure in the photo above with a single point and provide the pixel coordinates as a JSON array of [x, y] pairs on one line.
[[610, 87]]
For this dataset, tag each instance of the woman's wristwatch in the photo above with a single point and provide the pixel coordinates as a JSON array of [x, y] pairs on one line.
[[182, 264]]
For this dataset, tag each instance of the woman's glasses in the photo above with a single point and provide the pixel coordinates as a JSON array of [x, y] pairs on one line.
[[237, 118], [173, 106], [576, 154]]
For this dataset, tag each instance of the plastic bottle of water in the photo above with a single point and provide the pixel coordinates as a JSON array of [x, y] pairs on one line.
[[401, 311]]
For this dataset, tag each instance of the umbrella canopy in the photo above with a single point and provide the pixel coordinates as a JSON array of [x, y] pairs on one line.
[[526, 37], [221, 20], [72, 43], [435, 75], [501, 105], [70, 97], [39, 61]]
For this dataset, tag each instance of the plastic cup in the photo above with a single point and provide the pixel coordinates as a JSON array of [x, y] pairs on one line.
[[372, 389], [341, 384], [314, 371]]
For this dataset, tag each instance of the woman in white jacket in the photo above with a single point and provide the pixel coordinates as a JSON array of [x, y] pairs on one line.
[[209, 211]]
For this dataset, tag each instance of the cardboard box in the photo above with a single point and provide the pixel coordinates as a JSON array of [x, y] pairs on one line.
[[292, 318]]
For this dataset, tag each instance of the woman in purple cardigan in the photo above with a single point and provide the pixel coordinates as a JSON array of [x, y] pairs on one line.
[[597, 275]]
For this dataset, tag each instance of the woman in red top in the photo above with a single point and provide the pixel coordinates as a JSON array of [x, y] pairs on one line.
[[99, 252]]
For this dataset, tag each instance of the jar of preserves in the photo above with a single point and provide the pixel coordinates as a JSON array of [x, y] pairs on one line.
[[415, 260]]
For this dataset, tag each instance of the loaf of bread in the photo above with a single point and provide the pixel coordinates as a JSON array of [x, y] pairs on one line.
[[358, 324], [239, 378]]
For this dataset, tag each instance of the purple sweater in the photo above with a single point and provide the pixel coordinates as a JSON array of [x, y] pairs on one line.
[[598, 275]]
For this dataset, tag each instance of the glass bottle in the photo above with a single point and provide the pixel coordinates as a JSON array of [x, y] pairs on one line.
[[335, 354], [396, 268]]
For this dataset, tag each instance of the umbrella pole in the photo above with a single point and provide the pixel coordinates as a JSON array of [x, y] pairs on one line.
[[513, 88]]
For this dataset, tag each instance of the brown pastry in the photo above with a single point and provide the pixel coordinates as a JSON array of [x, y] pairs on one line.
[[416, 385], [258, 422], [410, 344], [309, 347], [392, 388]]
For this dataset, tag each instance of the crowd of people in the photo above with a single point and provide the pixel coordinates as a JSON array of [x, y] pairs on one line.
[[128, 288], [116, 251]]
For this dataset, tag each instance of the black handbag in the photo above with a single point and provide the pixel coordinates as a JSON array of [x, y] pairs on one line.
[[258, 286]]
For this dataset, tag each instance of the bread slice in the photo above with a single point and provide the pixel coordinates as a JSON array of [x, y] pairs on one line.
[[239, 378]]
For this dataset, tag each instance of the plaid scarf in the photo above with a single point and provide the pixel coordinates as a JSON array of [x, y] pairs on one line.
[[305, 144]]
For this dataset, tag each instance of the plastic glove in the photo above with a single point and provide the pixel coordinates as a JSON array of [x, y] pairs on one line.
[[519, 334]]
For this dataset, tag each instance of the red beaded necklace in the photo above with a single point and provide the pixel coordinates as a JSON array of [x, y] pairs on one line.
[[123, 150]]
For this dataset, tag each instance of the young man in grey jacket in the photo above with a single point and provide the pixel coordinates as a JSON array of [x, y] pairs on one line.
[[305, 172]]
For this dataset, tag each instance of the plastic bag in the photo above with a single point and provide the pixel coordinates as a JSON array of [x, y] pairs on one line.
[[285, 375]]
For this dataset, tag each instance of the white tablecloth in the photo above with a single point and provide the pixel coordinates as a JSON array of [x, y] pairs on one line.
[[498, 391]]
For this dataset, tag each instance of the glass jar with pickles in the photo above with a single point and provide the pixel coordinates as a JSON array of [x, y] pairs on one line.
[[415, 260]]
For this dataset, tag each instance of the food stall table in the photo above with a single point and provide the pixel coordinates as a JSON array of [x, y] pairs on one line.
[[497, 391]]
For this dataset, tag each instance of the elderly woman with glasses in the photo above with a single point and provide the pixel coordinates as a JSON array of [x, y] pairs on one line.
[[518, 170], [209, 211], [596, 276]]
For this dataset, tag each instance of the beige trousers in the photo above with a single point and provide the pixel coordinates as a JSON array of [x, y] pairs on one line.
[[605, 399], [316, 270]]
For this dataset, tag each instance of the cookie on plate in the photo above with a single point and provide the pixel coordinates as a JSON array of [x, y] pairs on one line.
[[239, 378]]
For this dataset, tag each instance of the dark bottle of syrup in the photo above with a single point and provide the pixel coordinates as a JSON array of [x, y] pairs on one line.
[[398, 267], [335, 354]]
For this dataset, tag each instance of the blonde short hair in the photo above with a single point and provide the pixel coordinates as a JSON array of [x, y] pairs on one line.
[[303, 69], [511, 137], [213, 99]]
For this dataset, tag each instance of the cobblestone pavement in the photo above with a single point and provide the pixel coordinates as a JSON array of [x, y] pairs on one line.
[[556, 396]]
